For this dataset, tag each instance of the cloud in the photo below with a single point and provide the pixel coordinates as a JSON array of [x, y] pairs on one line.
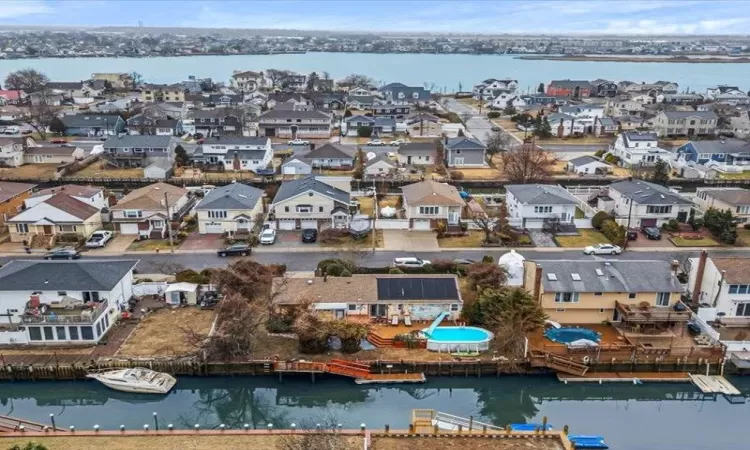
[[10, 9]]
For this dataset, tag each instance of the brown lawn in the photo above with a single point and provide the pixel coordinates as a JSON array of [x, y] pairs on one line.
[[30, 172], [472, 239], [464, 443], [161, 333], [103, 170]]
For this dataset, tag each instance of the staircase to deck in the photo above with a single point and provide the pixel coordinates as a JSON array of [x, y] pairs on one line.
[[379, 341], [558, 363], [359, 371], [348, 368]]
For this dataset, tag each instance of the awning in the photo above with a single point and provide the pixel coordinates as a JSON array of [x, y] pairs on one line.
[[323, 306], [182, 287]]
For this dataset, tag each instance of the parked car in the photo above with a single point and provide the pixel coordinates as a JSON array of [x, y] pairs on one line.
[[99, 239], [309, 235], [12, 130], [632, 235], [235, 250], [400, 142], [267, 236], [375, 142], [58, 141], [298, 142], [652, 233], [463, 261], [496, 128], [410, 262], [602, 249], [62, 253]]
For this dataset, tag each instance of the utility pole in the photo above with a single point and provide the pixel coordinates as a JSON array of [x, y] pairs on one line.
[[627, 230], [169, 224], [375, 216]]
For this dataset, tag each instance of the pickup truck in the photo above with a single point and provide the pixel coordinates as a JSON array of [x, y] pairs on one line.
[[99, 239]]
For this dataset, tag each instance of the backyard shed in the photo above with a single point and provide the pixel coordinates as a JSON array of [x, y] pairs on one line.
[[181, 294]]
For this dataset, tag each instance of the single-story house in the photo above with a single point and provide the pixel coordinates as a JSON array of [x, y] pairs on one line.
[[59, 214], [297, 166], [418, 153], [332, 155], [588, 165], [52, 154], [91, 195], [464, 151], [229, 209], [380, 165], [379, 125], [93, 124]]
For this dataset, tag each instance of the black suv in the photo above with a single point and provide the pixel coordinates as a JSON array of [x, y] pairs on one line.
[[235, 250], [309, 235], [62, 253], [652, 233]]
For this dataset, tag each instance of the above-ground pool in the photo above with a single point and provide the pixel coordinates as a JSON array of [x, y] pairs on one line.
[[458, 339], [568, 335]]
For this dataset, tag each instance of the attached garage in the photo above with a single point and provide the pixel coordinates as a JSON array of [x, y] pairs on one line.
[[129, 228], [648, 222], [421, 225], [286, 224], [212, 228], [307, 224]]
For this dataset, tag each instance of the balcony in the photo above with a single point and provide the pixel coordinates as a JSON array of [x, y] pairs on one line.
[[651, 314], [76, 313]]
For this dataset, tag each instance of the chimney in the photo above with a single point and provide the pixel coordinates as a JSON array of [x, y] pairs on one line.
[[699, 276], [537, 293]]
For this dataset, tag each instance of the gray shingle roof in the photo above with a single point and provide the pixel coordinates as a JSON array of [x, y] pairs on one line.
[[418, 148], [638, 136], [646, 193], [88, 275], [332, 150], [290, 189], [583, 160], [232, 196], [249, 140], [686, 114], [617, 276], [732, 195], [541, 194], [571, 84], [89, 120], [380, 157], [288, 114], [139, 141], [722, 146], [464, 143]]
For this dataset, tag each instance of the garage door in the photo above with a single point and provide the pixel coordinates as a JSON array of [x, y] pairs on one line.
[[213, 228], [422, 225], [291, 170], [129, 228], [648, 222], [286, 224], [306, 224]]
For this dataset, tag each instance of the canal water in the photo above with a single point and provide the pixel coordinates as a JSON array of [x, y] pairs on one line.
[[644, 417], [445, 71]]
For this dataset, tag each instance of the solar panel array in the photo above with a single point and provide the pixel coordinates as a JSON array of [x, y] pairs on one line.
[[417, 289]]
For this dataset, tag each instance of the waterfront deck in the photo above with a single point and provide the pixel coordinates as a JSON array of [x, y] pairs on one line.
[[714, 384], [627, 377], [361, 372]]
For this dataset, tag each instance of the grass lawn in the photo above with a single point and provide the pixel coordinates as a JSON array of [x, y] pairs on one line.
[[472, 239], [586, 237], [347, 242], [706, 241], [102, 170], [161, 332], [389, 200], [480, 174], [735, 176], [30, 172], [151, 245], [366, 205], [743, 235]]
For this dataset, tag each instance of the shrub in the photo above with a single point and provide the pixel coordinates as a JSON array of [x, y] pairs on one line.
[[443, 265], [746, 226], [488, 259], [457, 175], [697, 224], [345, 273], [335, 270], [615, 233], [441, 170], [191, 276], [279, 324], [395, 271], [493, 114], [364, 132], [440, 228], [599, 218], [672, 225], [599, 153]]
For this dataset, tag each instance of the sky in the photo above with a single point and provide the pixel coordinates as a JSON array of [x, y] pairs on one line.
[[458, 16]]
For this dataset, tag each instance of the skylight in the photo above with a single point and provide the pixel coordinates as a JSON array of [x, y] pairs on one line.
[[552, 277], [599, 272], [575, 276]]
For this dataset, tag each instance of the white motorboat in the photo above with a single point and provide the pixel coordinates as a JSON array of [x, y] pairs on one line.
[[138, 380]]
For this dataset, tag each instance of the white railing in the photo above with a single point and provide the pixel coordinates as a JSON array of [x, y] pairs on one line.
[[447, 421], [706, 328]]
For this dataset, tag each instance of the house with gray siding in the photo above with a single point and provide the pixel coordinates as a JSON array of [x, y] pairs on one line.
[[399, 92], [380, 125], [685, 123], [332, 156], [92, 124], [464, 151], [139, 150]]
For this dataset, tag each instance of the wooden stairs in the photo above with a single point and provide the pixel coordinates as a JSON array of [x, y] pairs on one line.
[[378, 341], [359, 371], [558, 363]]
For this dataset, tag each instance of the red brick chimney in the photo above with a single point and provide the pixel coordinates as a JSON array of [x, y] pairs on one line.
[[699, 277], [538, 284]]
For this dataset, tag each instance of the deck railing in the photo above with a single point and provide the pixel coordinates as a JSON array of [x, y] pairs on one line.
[[55, 318], [634, 314]]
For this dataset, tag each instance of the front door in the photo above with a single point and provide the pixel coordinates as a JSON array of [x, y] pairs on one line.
[[340, 313], [47, 230], [378, 310], [408, 160], [453, 217]]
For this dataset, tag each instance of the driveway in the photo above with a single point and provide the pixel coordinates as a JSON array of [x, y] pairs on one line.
[[413, 241], [118, 245], [479, 125], [292, 239], [196, 241], [644, 242], [542, 239]]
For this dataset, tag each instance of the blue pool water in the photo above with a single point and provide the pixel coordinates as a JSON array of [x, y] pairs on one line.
[[459, 334], [568, 335]]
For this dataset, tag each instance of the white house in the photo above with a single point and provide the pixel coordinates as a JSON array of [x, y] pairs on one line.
[[236, 153], [647, 204], [380, 165], [229, 209], [91, 195], [505, 98], [586, 165], [563, 125], [63, 302], [722, 284], [635, 148], [309, 203], [729, 95], [59, 214], [583, 115], [533, 205]]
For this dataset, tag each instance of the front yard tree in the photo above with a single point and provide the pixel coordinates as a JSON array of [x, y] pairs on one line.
[[29, 80], [498, 142], [661, 173], [542, 128], [357, 80], [511, 313], [312, 81], [721, 224], [510, 110], [540, 89], [40, 117], [527, 164], [181, 156], [277, 76], [57, 126]]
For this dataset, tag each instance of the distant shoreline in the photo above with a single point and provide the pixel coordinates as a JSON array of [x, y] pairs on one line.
[[655, 59]]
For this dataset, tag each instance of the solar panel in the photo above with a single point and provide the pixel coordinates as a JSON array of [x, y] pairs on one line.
[[417, 289]]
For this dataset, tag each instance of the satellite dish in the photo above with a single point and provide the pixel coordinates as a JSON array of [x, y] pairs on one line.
[[370, 155]]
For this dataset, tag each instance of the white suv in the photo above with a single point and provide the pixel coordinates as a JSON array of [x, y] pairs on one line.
[[410, 262]]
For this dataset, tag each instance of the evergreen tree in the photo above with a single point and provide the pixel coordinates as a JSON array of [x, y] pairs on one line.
[[661, 173], [540, 89]]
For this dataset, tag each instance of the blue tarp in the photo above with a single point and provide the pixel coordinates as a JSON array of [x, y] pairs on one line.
[[582, 441]]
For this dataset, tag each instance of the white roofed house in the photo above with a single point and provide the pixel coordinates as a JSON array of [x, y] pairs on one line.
[[647, 204], [235, 153], [232, 209], [380, 166], [588, 165], [638, 149], [91, 195], [309, 203], [539, 205]]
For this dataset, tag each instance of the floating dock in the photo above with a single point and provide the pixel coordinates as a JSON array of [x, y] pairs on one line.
[[359, 371], [714, 384], [390, 378], [627, 377]]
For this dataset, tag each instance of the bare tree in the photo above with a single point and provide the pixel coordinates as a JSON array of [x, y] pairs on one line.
[[322, 435], [498, 142], [29, 80], [527, 164], [357, 80], [277, 76], [39, 117]]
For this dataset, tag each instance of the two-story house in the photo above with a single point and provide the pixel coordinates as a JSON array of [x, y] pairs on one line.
[[142, 124], [92, 124], [11, 152], [235, 153], [418, 154], [646, 204], [534, 205], [12, 198], [145, 211], [724, 153], [63, 302], [592, 292], [380, 126], [679, 99], [586, 115], [218, 121], [59, 214], [428, 202], [734, 199], [464, 151], [139, 150], [505, 99], [231, 209], [604, 88], [392, 110], [361, 102], [728, 95], [570, 88], [331, 156], [541, 100], [491, 88], [163, 93], [120, 80], [685, 123], [292, 124], [722, 287], [399, 92], [638, 149], [248, 80], [740, 124], [309, 203], [564, 125]]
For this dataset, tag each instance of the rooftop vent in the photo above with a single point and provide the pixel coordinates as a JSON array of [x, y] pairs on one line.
[[552, 277]]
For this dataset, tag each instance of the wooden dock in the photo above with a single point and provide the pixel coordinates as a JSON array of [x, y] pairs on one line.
[[714, 384], [390, 378], [361, 372], [627, 377]]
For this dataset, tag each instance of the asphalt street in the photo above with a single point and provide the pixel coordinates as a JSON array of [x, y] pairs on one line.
[[479, 125], [589, 148], [307, 261]]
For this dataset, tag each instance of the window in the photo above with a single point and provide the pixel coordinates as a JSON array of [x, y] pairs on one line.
[[61, 293], [304, 208], [743, 289], [61, 334], [87, 333], [132, 214], [733, 288], [92, 296], [320, 209], [67, 228], [598, 294], [73, 331], [352, 307], [743, 310], [662, 298], [743, 210], [543, 209], [35, 333], [601, 310], [217, 214], [429, 210], [454, 306], [48, 334], [566, 297], [98, 329], [22, 227], [286, 209], [663, 209]]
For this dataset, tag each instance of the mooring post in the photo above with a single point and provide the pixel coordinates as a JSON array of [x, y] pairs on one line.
[[471, 422], [52, 419], [156, 421]]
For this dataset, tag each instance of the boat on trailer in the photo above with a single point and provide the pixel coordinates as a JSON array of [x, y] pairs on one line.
[[137, 380]]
